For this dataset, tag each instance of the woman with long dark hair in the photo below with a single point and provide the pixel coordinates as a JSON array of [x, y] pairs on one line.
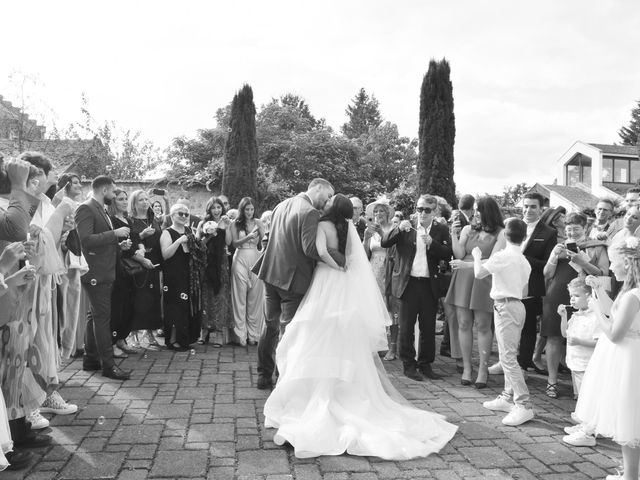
[[469, 294], [333, 395], [217, 316], [122, 293], [247, 290]]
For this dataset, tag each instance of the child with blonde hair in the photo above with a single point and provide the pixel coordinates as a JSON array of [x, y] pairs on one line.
[[610, 393], [581, 332]]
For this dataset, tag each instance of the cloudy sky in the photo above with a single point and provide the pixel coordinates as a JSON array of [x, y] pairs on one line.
[[529, 79]]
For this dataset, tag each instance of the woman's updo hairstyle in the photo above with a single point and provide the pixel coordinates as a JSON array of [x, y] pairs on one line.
[[340, 212]]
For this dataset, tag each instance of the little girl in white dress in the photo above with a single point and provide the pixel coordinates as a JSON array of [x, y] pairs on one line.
[[610, 395]]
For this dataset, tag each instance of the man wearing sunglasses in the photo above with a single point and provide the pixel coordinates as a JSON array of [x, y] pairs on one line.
[[420, 245]]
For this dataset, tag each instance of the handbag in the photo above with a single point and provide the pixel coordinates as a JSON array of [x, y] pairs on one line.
[[73, 243], [131, 267]]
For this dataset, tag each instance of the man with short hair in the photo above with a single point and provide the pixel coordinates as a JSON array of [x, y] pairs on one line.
[[465, 205], [536, 247], [415, 281], [632, 198], [604, 227], [359, 222], [99, 245], [286, 267]]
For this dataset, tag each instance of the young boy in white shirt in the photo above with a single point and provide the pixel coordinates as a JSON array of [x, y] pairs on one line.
[[510, 270]]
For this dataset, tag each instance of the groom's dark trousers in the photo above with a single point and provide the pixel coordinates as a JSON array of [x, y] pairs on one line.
[[281, 306], [419, 301]]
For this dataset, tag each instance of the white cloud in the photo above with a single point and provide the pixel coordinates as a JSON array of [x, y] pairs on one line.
[[529, 79]]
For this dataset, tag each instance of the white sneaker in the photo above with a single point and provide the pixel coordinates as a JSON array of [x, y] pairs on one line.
[[580, 439], [498, 404], [495, 369], [518, 415], [38, 422], [575, 419], [572, 429], [55, 404]]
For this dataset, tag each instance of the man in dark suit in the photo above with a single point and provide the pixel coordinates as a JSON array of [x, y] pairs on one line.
[[536, 247], [419, 249], [100, 244], [287, 267]]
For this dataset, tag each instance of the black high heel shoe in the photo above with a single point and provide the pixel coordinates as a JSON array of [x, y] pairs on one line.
[[465, 382]]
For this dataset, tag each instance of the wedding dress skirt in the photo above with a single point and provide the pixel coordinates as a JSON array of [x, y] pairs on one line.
[[332, 394]]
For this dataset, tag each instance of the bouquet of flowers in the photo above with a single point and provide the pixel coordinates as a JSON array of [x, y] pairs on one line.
[[210, 227]]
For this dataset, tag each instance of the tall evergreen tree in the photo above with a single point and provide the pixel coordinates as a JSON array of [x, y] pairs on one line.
[[437, 133], [363, 113], [241, 149], [630, 135]]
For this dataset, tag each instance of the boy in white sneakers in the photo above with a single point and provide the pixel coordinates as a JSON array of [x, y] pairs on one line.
[[510, 270]]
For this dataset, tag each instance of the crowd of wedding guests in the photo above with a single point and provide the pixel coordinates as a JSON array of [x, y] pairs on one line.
[[114, 273], [106, 275], [543, 285]]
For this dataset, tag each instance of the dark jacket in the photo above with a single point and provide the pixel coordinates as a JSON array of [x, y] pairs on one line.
[[99, 242], [537, 252], [405, 243]]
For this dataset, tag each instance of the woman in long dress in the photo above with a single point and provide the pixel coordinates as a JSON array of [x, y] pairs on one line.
[[214, 232], [145, 237], [181, 307], [333, 395]]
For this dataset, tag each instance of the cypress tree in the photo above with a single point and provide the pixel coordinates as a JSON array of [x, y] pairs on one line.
[[239, 178], [437, 133]]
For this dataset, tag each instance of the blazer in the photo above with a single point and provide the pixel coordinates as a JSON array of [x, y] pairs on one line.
[[291, 253], [99, 243], [405, 243], [537, 252]]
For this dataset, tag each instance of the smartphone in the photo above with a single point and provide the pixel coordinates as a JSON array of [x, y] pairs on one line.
[[572, 247], [158, 191]]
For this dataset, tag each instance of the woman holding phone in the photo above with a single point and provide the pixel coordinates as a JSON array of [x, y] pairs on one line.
[[145, 237], [576, 256], [247, 290]]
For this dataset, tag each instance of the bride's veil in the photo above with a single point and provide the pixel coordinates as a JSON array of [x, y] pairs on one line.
[[371, 306]]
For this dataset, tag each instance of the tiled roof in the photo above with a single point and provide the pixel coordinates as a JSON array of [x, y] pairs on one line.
[[619, 188], [575, 195], [616, 149]]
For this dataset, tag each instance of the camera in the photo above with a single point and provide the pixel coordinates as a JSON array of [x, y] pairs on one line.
[[158, 191], [572, 247]]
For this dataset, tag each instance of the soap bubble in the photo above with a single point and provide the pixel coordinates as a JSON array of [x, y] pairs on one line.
[[193, 352], [296, 173], [101, 420]]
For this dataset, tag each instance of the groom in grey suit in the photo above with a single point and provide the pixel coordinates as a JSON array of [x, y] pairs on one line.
[[287, 267]]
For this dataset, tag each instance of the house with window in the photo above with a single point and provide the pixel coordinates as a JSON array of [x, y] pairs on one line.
[[588, 171]]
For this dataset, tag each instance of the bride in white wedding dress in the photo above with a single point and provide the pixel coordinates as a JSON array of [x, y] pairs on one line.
[[332, 394]]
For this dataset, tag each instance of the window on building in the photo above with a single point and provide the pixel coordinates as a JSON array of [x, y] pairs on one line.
[[578, 170], [621, 171], [635, 171], [607, 170]]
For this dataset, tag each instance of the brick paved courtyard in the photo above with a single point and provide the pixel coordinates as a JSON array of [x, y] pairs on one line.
[[197, 415]]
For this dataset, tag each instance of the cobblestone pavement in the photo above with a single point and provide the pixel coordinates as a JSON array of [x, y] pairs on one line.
[[198, 415]]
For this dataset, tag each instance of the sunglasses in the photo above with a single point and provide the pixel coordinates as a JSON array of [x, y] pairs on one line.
[[424, 209], [182, 214]]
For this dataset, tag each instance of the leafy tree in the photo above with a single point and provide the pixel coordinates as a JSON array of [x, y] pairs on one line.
[[511, 194], [363, 113], [199, 159], [241, 149], [630, 134], [126, 155], [437, 132]]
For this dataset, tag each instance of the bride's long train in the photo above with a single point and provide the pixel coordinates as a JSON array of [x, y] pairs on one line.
[[333, 394]]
